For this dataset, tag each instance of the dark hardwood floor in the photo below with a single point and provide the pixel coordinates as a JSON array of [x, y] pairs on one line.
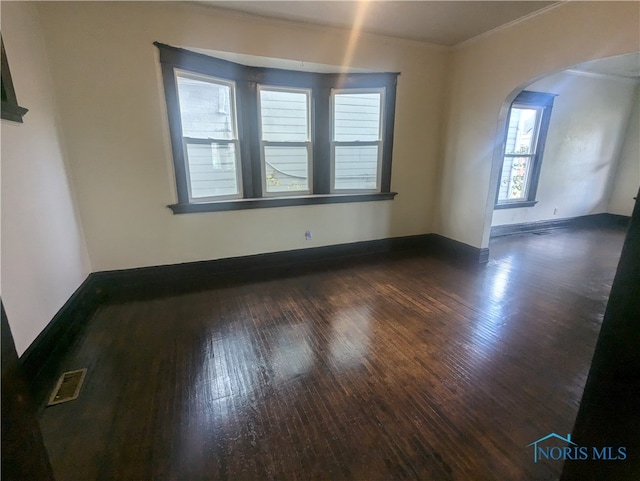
[[406, 367]]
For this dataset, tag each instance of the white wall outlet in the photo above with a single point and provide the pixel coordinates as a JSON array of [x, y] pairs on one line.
[[307, 235]]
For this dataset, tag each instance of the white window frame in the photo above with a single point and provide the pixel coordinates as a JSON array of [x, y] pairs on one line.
[[212, 141], [265, 143], [379, 142]]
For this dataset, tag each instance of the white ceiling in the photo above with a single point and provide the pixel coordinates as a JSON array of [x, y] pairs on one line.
[[446, 23]]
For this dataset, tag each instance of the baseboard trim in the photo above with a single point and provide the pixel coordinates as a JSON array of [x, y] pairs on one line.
[[593, 220], [40, 363], [158, 280], [459, 251]]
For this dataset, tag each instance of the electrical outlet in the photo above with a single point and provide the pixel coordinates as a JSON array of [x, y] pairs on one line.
[[307, 235]]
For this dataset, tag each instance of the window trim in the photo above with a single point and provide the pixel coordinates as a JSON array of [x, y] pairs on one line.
[[379, 142], [10, 110], [247, 79], [290, 201], [308, 143], [235, 140], [543, 101]]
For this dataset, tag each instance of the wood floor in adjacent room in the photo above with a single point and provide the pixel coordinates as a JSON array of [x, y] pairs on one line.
[[404, 367]]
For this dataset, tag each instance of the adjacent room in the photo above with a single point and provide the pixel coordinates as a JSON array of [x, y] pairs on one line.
[[572, 148], [354, 240]]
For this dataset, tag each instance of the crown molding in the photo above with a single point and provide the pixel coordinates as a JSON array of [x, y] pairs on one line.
[[526, 18], [602, 76]]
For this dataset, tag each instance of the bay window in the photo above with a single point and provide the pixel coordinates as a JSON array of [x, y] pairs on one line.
[[253, 137]]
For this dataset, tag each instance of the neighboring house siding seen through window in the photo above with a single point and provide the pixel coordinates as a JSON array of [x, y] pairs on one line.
[[285, 138], [525, 137], [357, 139], [253, 137]]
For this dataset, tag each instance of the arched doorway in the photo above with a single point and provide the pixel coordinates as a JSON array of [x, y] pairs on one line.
[[588, 164]]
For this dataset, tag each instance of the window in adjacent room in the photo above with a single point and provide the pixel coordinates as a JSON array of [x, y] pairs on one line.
[[252, 137], [527, 127]]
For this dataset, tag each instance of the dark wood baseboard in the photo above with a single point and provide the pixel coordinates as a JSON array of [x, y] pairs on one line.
[[159, 280], [593, 220], [459, 251], [41, 361]]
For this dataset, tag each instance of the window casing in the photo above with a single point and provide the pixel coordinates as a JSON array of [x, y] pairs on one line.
[[285, 140], [10, 108], [525, 137], [357, 139], [209, 136], [279, 143]]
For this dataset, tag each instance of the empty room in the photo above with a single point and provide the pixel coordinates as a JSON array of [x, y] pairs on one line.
[[328, 240]]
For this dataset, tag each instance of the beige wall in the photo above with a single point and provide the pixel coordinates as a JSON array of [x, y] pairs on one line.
[[627, 178], [44, 258], [486, 75], [107, 79], [586, 133]]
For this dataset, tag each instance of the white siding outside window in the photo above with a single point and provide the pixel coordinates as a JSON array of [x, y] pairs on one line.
[[285, 140], [356, 146]]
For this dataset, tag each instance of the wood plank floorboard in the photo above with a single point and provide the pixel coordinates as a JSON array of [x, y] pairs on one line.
[[409, 367]]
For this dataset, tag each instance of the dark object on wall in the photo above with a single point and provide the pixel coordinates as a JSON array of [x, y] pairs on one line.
[[10, 108]]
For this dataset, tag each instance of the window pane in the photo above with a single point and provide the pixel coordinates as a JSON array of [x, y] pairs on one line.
[[286, 168], [205, 109], [285, 116], [356, 167], [515, 175], [357, 117], [523, 127], [212, 170]]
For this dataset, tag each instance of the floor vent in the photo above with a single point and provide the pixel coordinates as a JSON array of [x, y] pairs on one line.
[[68, 387]]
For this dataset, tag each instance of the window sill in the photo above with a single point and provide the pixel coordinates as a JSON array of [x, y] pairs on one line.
[[515, 205], [267, 202]]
